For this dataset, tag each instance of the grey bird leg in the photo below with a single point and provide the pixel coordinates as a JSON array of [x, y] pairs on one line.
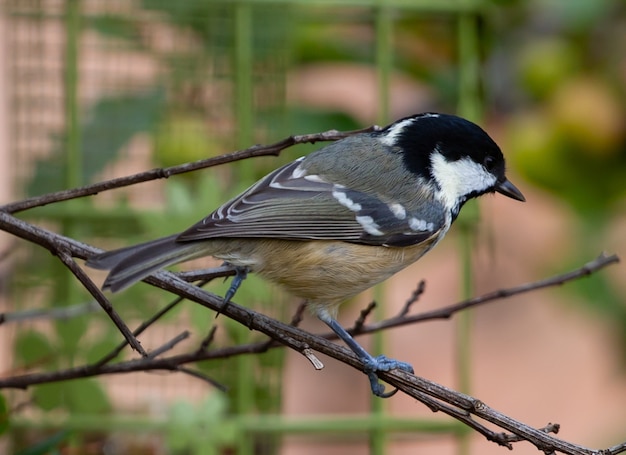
[[241, 274], [370, 364]]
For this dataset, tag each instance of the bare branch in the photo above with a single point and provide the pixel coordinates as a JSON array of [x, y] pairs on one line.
[[363, 315], [446, 312], [415, 296], [169, 345], [67, 312], [207, 340], [163, 173], [102, 300], [139, 330], [438, 398], [203, 377]]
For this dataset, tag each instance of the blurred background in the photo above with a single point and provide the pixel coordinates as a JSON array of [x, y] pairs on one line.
[[94, 89]]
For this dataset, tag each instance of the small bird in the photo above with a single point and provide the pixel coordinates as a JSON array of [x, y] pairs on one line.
[[334, 223]]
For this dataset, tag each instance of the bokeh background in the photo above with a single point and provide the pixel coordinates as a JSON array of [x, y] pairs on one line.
[[93, 89]]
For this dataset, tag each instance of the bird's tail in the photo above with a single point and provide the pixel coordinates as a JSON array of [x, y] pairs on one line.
[[131, 264]]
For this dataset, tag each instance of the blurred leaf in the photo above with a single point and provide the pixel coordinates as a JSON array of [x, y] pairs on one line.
[[116, 26], [201, 427], [213, 22], [33, 348], [551, 155], [113, 122], [545, 63], [99, 349], [201, 318], [86, 396], [180, 428], [110, 124], [47, 446], [193, 15], [49, 396], [572, 14], [183, 138], [4, 415], [70, 333]]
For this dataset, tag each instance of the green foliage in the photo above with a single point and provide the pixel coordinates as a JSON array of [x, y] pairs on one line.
[[110, 124], [563, 138], [568, 137], [48, 351], [575, 15], [200, 428], [183, 138], [81, 396], [33, 348], [49, 446], [117, 27], [4, 415]]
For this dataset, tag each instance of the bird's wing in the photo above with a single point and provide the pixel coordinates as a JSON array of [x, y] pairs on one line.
[[291, 204]]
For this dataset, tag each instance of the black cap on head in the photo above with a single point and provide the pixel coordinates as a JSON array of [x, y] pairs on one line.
[[454, 138]]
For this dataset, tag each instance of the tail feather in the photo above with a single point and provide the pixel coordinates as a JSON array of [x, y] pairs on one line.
[[134, 263]]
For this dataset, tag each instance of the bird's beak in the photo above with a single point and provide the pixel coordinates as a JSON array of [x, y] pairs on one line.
[[508, 189]]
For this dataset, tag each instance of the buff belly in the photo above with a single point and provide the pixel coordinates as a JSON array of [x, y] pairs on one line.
[[323, 272]]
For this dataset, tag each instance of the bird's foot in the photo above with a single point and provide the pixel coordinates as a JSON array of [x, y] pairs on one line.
[[371, 365]]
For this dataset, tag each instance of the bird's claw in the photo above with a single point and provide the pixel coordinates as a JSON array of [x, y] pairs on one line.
[[383, 363]]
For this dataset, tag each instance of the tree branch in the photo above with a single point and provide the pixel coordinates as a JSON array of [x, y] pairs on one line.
[[438, 398], [163, 173]]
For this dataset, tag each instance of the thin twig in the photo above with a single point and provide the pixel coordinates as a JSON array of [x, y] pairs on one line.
[[197, 374], [62, 313], [142, 327], [438, 398], [435, 396], [138, 331], [415, 296], [163, 173], [446, 312], [102, 300], [207, 340], [207, 275], [259, 347], [169, 345], [297, 317], [363, 315]]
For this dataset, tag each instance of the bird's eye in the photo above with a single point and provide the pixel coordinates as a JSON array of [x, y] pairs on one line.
[[490, 163]]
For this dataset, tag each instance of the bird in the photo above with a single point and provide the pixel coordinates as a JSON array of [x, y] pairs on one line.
[[340, 220]]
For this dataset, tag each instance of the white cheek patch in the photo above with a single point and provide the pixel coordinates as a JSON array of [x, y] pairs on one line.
[[398, 210], [457, 179], [420, 225], [368, 224], [344, 200]]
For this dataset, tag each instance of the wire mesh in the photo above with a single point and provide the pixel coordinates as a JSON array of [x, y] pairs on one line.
[[102, 88]]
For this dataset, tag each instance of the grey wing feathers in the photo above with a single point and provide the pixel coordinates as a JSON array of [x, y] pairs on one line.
[[290, 204]]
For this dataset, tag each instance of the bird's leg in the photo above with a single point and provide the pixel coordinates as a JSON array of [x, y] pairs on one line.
[[240, 274], [370, 364]]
